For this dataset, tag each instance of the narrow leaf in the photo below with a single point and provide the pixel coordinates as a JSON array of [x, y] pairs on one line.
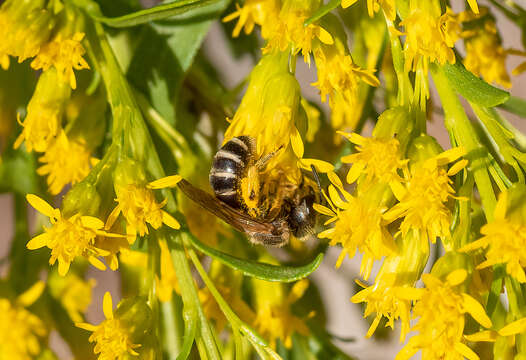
[[322, 11], [155, 13], [259, 270], [515, 105], [472, 88]]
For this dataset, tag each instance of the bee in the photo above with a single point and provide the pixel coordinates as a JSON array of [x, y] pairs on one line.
[[287, 209]]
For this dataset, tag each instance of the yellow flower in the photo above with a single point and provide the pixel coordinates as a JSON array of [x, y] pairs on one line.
[[374, 6], [504, 237], [423, 201], [288, 29], [65, 161], [378, 159], [20, 330], [274, 319], [269, 112], [68, 237], [64, 55], [440, 308], [485, 55], [338, 78], [73, 292], [430, 37], [387, 297], [260, 12], [44, 113], [25, 26], [358, 225], [139, 207], [112, 338]]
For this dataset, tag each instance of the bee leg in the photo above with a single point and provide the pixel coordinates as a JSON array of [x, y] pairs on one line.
[[260, 164], [316, 176]]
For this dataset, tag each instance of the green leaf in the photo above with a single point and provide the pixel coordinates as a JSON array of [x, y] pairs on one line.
[[472, 88], [175, 44], [515, 105], [322, 11], [257, 269], [18, 172], [155, 13]]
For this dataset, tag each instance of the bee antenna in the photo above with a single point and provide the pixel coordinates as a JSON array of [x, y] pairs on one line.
[[316, 177], [260, 164]]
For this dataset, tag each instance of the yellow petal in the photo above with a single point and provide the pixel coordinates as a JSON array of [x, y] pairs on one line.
[[459, 165], [86, 326], [457, 277], [112, 217], [474, 6], [354, 172], [398, 190], [41, 205], [373, 326], [92, 222], [466, 351], [31, 295], [38, 241], [323, 210], [324, 36], [502, 204], [516, 327], [320, 165], [107, 305], [297, 291], [297, 143], [450, 155], [165, 182], [96, 263], [487, 335], [347, 3], [476, 310], [170, 221], [326, 234], [63, 267], [336, 198]]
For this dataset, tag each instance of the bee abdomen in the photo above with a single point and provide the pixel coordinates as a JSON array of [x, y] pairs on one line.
[[228, 168]]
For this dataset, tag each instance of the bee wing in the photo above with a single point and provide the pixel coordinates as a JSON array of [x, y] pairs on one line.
[[273, 233]]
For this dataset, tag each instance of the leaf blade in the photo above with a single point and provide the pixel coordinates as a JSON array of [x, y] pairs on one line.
[[473, 88], [158, 12], [259, 270]]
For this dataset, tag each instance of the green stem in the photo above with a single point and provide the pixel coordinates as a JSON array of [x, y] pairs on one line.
[[171, 339], [405, 89], [457, 123], [189, 295]]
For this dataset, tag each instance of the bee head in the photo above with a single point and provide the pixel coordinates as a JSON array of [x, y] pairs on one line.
[[302, 217]]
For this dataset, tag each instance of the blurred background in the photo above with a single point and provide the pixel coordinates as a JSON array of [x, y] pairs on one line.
[[345, 320]]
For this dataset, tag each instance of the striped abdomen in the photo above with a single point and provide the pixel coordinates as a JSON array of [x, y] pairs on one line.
[[229, 167]]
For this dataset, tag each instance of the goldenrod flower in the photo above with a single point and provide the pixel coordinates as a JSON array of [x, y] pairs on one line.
[[269, 112], [338, 78], [440, 337], [423, 200], [374, 6], [44, 113], [64, 55], [274, 319], [139, 207], [485, 55], [288, 29], [112, 337], [358, 225], [73, 292], [504, 237], [378, 159], [68, 237], [25, 26], [61, 169], [260, 12], [387, 297], [20, 330]]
